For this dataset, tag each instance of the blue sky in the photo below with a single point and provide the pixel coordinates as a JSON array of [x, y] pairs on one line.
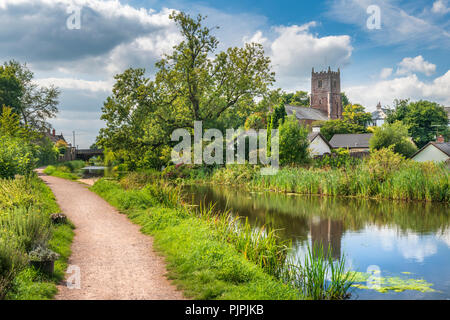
[[408, 57]]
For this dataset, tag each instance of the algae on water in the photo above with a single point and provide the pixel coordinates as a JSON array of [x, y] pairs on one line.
[[388, 283]]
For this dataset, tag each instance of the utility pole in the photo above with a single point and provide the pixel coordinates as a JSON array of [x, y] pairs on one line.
[[74, 139]]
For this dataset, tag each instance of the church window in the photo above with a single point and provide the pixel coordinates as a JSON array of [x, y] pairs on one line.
[[320, 84]]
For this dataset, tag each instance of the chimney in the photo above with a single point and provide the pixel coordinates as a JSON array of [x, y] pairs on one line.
[[440, 139], [54, 132]]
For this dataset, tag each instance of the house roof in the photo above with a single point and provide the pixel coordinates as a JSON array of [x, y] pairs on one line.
[[379, 114], [314, 135], [353, 140], [444, 147], [306, 113], [54, 138]]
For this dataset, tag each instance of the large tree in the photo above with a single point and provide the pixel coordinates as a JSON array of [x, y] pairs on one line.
[[424, 119], [356, 114], [34, 104], [193, 83]]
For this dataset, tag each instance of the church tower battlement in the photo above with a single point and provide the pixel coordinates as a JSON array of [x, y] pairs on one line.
[[326, 92]]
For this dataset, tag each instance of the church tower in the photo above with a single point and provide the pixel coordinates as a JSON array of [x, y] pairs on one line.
[[326, 92]]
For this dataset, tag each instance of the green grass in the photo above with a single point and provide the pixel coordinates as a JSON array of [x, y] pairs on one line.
[[69, 170], [214, 255], [200, 262], [409, 181], [25, 208]]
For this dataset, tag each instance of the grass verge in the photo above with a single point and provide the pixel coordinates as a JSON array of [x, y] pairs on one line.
[[28, 203], [200, 262]]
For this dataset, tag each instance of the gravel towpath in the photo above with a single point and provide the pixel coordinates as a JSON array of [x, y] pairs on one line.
[[116, 261]]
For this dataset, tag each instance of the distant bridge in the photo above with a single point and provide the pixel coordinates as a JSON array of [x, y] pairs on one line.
[[86, 154]]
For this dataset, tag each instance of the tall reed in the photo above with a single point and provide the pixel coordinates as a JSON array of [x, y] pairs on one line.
[[318, 276]]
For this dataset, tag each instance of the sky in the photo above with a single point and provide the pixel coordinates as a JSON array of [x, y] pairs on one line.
[[385, 49]]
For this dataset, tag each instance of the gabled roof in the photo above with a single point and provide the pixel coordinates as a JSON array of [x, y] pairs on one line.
[[352, 140], [314, 135], [306, 113], [443, 146], [54, 138], [379, 114]]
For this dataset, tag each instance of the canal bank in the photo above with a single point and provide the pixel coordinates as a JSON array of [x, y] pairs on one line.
[[403, 240]]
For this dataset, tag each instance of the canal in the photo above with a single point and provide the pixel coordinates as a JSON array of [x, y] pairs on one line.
[[407, 242]]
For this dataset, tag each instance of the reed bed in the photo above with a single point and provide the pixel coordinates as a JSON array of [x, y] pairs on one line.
[[410, 181]]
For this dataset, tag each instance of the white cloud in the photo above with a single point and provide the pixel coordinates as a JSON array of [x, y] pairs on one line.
[[256, 38], [295, 50], [77, 84], [397, 25], [417, 64], [440, 7], [385, 73], [112, 36], [405, 87]]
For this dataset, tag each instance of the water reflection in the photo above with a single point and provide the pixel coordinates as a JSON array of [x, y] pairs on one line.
[[397, 236], [328, 234]]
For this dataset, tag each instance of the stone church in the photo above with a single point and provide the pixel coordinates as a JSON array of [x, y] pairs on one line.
[[325, 100]]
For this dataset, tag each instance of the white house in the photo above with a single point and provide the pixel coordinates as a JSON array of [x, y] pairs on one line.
[[318, 145], [433, 151], [379, 116]]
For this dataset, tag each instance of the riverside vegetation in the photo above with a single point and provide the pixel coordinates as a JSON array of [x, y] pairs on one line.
[[214, 255], [25, 225], [384, 175]]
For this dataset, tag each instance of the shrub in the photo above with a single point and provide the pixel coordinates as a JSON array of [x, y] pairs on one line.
[[383, 162], [294, 142], [395, 135], [16, 157]]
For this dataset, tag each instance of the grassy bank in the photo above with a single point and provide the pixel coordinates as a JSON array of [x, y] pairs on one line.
[[213, 255], [407, 181], [25, 208], [67, 170]]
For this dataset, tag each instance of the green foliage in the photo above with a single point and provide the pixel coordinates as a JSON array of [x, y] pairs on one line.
[[235, 174], [392, 178], [395, 135], [203, 250], [339, 158], [356, 115], [41, 253], [32, 103], [256, 121], [193, 83], [11, 90], [331, 127], [382, 163], [299, 98], [293, 142], [424, 119], [319, 276], [345, 100], [278, 116], [25, 207], [16, 157], [69, 170]]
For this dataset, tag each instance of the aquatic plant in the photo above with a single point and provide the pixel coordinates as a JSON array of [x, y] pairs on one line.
[[319, 276], [390, 283]]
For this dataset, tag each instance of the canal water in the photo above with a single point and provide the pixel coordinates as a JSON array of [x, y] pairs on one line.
[[403, 240]]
